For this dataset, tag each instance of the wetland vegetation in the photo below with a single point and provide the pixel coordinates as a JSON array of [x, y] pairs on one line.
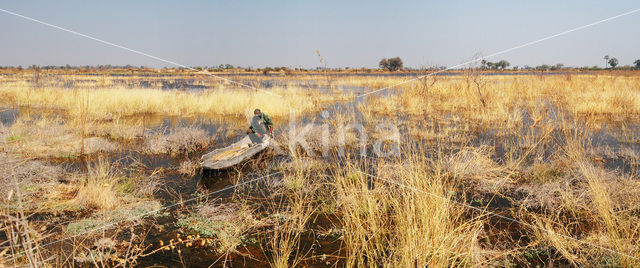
[[479, 169]]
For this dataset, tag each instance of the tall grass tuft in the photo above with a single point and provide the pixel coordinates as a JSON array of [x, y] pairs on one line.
[[296, 205], [99, 191], [408, 224]]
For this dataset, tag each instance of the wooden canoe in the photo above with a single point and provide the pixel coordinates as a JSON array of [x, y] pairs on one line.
[[234, 154]]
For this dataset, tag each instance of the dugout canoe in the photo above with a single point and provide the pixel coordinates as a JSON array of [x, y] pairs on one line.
[[235, 153]]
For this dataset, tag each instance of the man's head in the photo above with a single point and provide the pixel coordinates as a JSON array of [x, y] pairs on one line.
[[257, 112]]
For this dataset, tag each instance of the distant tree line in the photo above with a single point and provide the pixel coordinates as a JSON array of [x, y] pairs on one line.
[[390, 64], [71, 67], [394, 64]]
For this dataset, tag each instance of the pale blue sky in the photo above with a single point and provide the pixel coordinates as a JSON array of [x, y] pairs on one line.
[[287, 33]]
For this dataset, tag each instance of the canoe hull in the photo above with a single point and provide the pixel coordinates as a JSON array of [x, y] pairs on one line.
[[233, 154]]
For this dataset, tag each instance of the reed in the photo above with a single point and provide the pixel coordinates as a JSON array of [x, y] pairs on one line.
[[99, 191], [407, 218], [584, 96], [121, 102]]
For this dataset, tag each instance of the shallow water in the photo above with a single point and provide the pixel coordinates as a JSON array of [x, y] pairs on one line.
[[8, 115]]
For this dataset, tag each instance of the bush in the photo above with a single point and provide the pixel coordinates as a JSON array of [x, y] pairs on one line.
[[181, 140]]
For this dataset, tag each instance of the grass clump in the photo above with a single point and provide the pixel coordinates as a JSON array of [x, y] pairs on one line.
[[53, 137], [99, 191], [386, 224], [227, 224], [106, 188], [292, 209], [133, 211], [29, 177], [179, 141], [595, 206]]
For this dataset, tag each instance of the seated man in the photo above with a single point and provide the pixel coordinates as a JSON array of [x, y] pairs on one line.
[[264, 122]]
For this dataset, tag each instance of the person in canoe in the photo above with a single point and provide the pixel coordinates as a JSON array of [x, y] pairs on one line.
[[264, 122]]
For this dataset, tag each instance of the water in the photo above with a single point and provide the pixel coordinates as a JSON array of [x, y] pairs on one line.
[[193, 82], [8, 116]]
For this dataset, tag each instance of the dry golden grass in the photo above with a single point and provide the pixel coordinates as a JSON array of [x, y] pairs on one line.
[[100, 189], [182, 140], [98, 103], [584, 213], [284, 243], [546, 171], [107, 188], [504, 96], [52, 137], [387, 225], [594, 206]]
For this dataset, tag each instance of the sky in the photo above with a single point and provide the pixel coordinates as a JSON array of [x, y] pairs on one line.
[[346, 33]]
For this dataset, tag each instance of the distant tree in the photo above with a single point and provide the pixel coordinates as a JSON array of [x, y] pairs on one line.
[[396, 63], [503, 64], [613, 62], [558, 66], [490, 65], [606, 60], [637, 63], [392, 64], [543, 67], [383, 63]]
